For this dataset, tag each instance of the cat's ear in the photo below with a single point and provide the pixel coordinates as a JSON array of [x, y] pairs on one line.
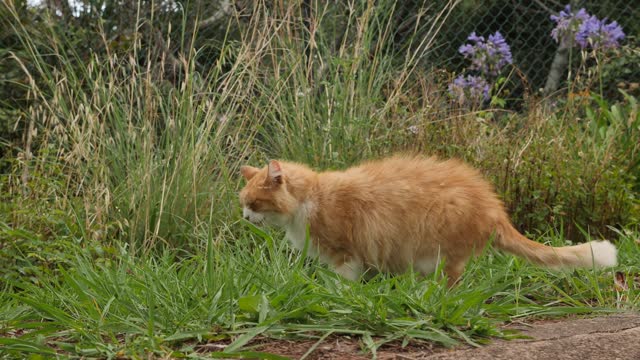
[[248, 171], [275, 172]]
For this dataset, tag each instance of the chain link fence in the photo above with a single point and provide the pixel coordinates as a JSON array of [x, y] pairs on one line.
[[527, 27]]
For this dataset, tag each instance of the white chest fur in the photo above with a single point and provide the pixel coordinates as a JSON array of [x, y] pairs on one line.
[[297, 228]]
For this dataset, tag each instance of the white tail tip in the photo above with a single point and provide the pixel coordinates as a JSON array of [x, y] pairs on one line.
[[604, 253]]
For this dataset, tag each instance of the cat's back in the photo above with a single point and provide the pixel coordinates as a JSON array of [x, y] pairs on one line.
[[417, 182], [398, 183], [423, 171]]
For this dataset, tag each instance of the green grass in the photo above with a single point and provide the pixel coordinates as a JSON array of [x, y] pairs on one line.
[[241, 288], [119, 224]]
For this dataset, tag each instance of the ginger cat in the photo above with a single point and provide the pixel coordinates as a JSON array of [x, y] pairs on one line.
[[391, 214]]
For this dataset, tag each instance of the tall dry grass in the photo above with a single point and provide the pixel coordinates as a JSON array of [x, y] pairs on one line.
[[153, 161]]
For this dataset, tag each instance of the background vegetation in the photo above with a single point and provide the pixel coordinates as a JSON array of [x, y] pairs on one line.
[[125, 125]]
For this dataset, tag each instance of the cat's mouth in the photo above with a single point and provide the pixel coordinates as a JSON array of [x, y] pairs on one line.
[[255, 221], [252, 216]]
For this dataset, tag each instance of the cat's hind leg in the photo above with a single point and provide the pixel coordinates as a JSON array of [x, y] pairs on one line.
[[454, 269]]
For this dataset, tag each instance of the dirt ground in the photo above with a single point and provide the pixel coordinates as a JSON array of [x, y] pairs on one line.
[[613, 337]]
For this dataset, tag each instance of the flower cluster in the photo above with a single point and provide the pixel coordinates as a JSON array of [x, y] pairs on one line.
[[567, 23], [587, 30], [488, 56], [599, 34], [470, 89]]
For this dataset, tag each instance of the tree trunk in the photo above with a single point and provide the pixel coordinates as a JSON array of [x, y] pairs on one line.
[[560, 62], [558, 69]]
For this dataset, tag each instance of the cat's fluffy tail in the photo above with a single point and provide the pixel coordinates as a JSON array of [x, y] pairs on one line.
[[587, 255]]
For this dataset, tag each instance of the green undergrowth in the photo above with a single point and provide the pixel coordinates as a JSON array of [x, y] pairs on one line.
[[125, 306], [119, 231]]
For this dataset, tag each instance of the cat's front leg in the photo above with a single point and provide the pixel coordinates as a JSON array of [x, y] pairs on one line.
[[349, 269]]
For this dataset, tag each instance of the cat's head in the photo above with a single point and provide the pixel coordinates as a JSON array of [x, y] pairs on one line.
[[265, 196]]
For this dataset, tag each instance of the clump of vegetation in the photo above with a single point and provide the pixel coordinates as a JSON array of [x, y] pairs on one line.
[[119, 223]]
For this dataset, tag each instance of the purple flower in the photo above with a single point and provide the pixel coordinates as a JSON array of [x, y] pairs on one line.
[[500, 47], [470, 90], [587, 30], [488, 56], [567, 23], [598, 34]]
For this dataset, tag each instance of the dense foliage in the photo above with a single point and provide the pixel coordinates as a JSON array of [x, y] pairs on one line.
[[125, 124]]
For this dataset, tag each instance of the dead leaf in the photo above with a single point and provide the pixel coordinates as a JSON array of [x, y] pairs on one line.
[[621, 281]]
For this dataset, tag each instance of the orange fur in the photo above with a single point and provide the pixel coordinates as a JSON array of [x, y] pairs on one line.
[[396, 213]]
